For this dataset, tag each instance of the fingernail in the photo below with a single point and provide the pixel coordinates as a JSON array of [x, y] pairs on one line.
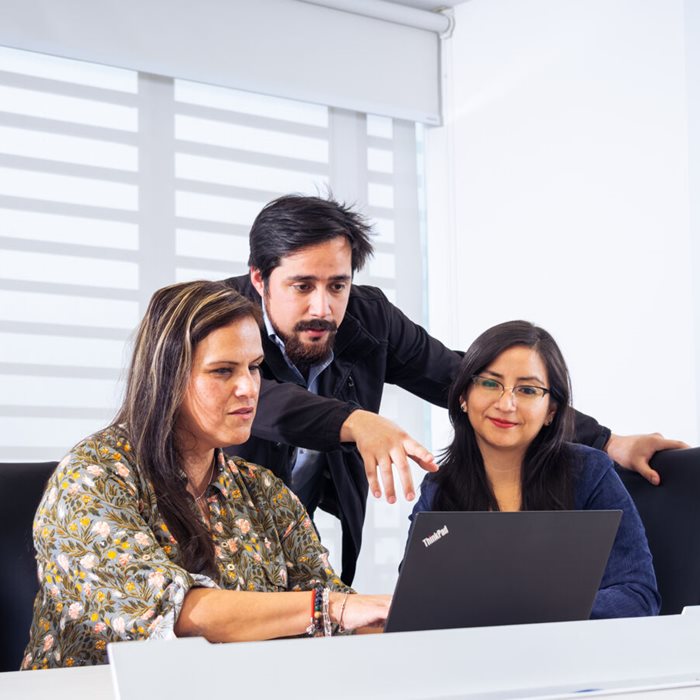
[[410, 496], [377, 494]]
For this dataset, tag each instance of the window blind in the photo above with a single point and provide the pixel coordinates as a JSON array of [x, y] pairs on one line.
[[114, 183]]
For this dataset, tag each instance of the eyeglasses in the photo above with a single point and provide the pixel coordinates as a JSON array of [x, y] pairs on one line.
[[494, 388]]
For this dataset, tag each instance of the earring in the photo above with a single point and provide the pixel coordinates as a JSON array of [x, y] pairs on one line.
[[463, 406], [548, 422]]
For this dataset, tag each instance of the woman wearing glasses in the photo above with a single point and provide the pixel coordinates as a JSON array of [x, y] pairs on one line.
[[510, 408]]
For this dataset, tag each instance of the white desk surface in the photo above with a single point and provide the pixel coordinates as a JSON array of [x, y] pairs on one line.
[[95, 683], [641, 658]]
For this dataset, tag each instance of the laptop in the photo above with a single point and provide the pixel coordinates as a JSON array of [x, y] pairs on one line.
[[478, 569]]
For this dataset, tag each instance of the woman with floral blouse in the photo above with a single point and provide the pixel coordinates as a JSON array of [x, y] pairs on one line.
[[148, 530]]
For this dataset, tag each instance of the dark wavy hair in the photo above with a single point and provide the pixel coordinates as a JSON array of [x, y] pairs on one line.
[[546, 480], [177, 319], [290, 223]]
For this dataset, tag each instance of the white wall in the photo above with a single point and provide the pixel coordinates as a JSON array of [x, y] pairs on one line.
[[559, 194]]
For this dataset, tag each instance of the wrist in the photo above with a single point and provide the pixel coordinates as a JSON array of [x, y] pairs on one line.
[[336, 609], [349, 425], [334, 605]]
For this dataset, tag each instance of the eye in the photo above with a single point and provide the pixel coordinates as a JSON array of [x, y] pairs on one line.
[[338, 287], [529, 391], [302, 287], [222, 371], [254, 368], [490, 384]]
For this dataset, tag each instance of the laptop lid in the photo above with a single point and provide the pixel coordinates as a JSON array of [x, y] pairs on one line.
[[477, 569]]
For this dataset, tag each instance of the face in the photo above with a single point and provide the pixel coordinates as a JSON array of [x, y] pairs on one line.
[[222, 392], [306, 297], [509, 423]]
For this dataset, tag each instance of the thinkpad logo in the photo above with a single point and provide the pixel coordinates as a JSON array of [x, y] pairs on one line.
[[427, 541]]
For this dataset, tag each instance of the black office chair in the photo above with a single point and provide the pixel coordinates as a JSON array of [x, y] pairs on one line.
[[21, 488], [671, 516]]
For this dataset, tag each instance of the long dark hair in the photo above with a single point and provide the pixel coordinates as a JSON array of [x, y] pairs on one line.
[[546, 478], [177, 319]]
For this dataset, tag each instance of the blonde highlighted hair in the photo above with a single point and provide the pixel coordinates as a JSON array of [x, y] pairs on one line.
[[178, 317]]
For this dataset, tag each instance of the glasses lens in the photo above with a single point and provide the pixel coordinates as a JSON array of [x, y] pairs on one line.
[[528, 392], [488, 384]]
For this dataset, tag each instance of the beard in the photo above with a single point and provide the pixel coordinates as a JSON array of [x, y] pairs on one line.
[[306, 354]]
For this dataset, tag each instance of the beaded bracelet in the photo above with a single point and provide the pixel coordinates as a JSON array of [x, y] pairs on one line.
[[319, 612]]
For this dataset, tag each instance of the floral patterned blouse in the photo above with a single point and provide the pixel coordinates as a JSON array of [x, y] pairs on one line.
[[107, 562]]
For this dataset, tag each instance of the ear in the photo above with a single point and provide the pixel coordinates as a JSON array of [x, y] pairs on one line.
[[256, 280], [550, 414]]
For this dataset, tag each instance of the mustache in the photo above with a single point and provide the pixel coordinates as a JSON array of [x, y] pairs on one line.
[[316, 324]]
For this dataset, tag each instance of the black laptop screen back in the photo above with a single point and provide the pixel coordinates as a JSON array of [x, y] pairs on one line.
[[481, 568]]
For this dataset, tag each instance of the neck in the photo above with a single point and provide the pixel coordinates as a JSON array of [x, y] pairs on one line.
[[499, 460], [198, 467], [504, 472]]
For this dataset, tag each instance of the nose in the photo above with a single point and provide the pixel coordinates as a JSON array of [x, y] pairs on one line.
[[320, 304], [507, 400], [248, 385]]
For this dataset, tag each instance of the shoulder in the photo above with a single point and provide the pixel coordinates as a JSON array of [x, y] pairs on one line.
[[104, 454], [593, 471], [590, 458], [428, 491], [365, 297], [98, 470], [242, 284], [105, 446], [370, 309]]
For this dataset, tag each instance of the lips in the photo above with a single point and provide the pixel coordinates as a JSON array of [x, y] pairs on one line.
[[244, 412], [315, 334], [502, 423]]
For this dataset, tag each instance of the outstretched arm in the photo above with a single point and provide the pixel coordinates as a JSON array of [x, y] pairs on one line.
[[629, 451], [291, 414], [635, 451]]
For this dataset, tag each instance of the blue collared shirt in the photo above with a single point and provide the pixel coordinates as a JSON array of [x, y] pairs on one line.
[[307, 469]]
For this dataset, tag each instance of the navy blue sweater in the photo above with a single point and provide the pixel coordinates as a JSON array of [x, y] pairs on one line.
[[628, 587]]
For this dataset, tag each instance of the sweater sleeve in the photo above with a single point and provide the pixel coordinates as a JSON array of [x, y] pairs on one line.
[[628, 587]]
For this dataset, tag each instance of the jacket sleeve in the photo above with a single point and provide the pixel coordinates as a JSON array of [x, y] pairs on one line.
[[587, 431], [628, 587], [416, 361], [292, 415]]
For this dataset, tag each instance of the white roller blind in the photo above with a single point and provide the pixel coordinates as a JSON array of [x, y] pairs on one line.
[[114, 183], [276, 47]]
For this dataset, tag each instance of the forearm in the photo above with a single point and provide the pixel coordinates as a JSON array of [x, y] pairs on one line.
[[241, 616]]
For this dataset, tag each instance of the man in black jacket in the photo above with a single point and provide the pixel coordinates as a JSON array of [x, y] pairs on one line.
[[325, 337]]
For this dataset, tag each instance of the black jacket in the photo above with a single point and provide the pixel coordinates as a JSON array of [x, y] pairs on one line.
[[376, 344]]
